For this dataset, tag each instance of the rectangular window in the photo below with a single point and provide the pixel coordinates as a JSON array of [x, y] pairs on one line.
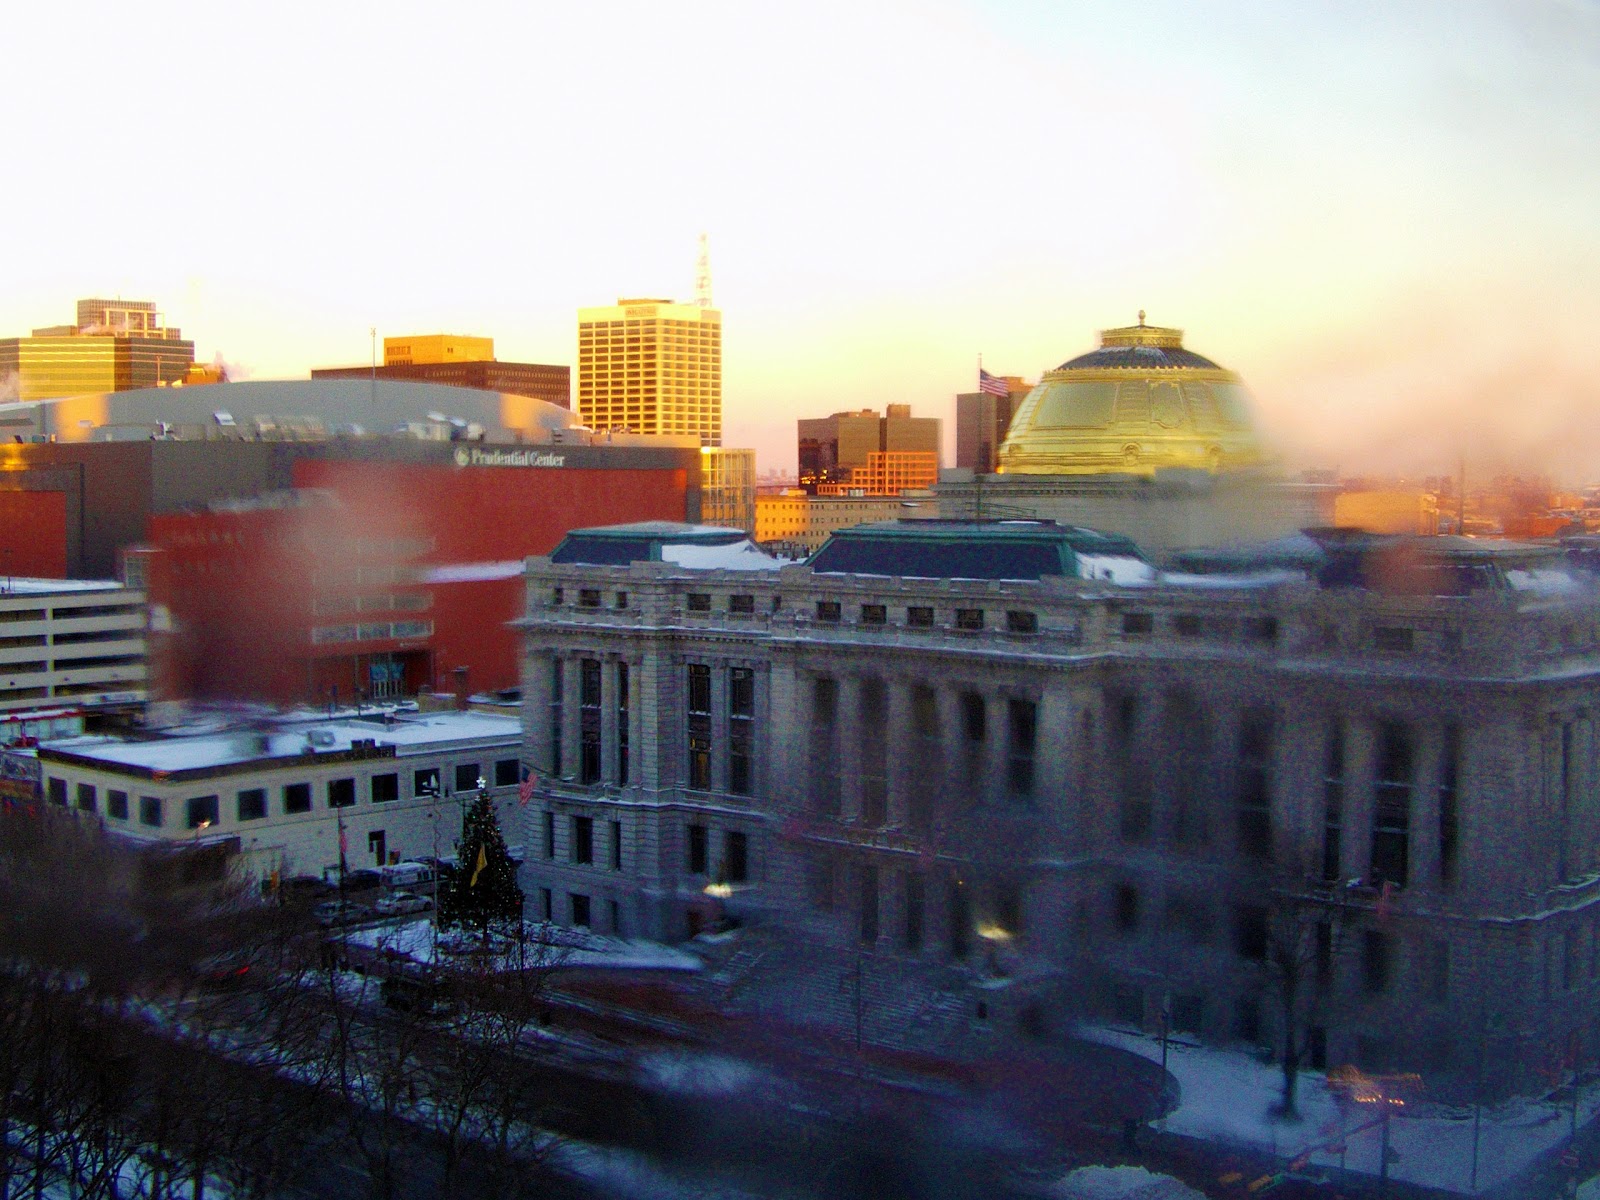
[[874, 614], [150, 809], [580, 909], [1377, 962], [698, 602], [589, 720], [557, 703], [1333, 803], [549, 835], [1260, 629], [588, 597], [735, 857], [919, 617], [616, 845], [507, 772], [341, 793], [425, 783], [385, 787], [699, 727], [1137, 623], [1250, 932], [1449, 816], [1021, 622], [825, 770], [297, 797], [741, 720], [741, 603], [1438, 980], [88, 800], [616, 918], [930, 757], [869, 905], [557, 597], [1125, 904], [1254, 794], [697, 850], [872, 728], [467, 777], [621, 601], [828, 610], [1186, 625], [622, 724], [1024, 723], [912, 933], [583, 840], [1391, 812], [252, 804], [200, 812], [56, 791], [117, 804], [1392, 640], [969, 618]]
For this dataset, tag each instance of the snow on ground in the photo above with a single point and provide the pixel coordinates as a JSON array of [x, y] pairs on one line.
[[1226, 1096], [547, 945], [630, 1175], [1120, 1183], [695, 1074]]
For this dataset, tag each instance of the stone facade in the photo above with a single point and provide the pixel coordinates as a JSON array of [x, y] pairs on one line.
[[1205, 806]]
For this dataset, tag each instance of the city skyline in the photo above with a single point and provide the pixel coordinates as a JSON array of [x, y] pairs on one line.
[[1381, 217]]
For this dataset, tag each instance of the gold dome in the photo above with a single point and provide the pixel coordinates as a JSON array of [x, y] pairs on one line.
[[1139, 404]]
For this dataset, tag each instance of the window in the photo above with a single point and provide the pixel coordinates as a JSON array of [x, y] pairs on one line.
[[912, 932], [698, 602], [874, 614], [385, 788], [583, 840], [1021, 622], [341, 793], [1125, 908], [580, 909], [56, 791], [919, 617], [735, 857], [1137, 623], [549, 835], [589, 720], [1333, 804], [507, 772], [1391, 810], [873, 746], [557, 702], [616, 845], [969, 618], [622, 724], [1254, 796], [1392, 640], [588, 597], [1024, 722], [1449, 818], [699, 727], [741, 604], [741, 717], [88, 800], [825, 767], [828, 610], [425, 782], [930, 757], [150, 808], [621, 601], [1260, 629], [1186, 625], [1377, 962], [1437, 984], [466, 777], [200, 812], [1250, 932], [546, 904], [252, 804], [697, 850], [117, 804], [297, 798], [869, 905], [972, 716]]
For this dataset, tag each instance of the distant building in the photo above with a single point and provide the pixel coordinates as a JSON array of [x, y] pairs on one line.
[[982, 420], [728, 487], [1392, 510], [281, 796], [70, 644], [833, 448], [116, 346], [461, 361], [651, 366], [795, 523]]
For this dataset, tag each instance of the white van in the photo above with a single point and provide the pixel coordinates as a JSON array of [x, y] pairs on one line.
[[406, 874]]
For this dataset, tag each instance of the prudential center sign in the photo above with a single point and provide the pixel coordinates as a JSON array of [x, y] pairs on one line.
[[472, 456]]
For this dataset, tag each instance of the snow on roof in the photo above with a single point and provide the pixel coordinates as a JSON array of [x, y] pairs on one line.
[[18, 585], [473, 572], [741, 556], [411, 734], [1121, 569]]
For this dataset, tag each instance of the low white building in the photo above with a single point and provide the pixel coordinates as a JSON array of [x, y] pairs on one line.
[[70, 642], [392, 785]]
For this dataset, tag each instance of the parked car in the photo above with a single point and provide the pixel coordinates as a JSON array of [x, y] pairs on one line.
[[400, 904], [406, 874], [338, 912]]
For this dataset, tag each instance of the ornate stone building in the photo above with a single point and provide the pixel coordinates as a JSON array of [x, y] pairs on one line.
[[1346, 802]]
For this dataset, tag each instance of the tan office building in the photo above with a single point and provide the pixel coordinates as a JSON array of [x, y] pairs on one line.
[[651, 366], [115, 346]]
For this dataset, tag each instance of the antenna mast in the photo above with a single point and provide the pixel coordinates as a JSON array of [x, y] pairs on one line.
[[702, 274]]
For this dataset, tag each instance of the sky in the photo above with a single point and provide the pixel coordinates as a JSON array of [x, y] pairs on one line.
[[1382, 214]]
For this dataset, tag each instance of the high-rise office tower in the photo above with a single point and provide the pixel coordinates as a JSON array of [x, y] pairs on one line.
[[651, 366], [116, 346]]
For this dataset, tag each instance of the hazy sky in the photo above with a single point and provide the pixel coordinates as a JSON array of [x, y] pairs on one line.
[[1384, 214]]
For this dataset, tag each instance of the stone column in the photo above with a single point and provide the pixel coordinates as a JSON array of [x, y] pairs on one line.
[[1360, 767], [571, 715], [847, 722], [902, 771]]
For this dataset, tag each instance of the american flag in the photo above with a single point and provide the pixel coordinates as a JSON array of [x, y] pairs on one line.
[[992, 384], [525, 789]]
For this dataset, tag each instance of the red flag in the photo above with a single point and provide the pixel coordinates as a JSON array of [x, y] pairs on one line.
[[525, 789]]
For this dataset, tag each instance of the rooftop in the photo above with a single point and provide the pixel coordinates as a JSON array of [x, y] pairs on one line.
[[22, 586], [952, 549], [698, 547]]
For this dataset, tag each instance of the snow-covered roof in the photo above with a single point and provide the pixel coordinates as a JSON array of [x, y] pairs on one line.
[[741, 556], [21, 586]]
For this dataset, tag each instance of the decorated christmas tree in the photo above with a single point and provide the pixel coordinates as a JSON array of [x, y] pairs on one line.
[[483, 888]]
